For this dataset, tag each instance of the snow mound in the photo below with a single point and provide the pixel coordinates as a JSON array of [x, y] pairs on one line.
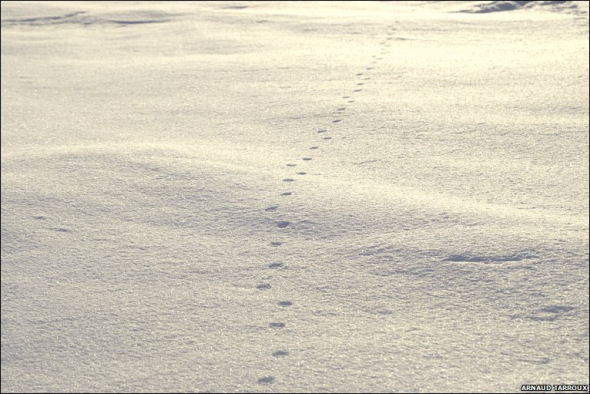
[[497, 6]]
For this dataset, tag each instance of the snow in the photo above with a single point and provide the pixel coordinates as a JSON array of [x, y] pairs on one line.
[[292, 196]]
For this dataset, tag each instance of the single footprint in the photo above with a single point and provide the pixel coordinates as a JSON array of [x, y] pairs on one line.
[[314, 147], [61, 229], [351, 101], [357, 90], [280, 353], [322, 131], [327, 138], [286, 193], [285, 303], [40, 217], [360, 84], [345, 96], [306, 158], [288, 180], [266, 380], [282, 224], [342, 109], [301, 173], [369, 68], [275, 244], [277, 325], [359, 74], [291, 165], [271, 209], [337, 120], [263, 286], [275, 265]]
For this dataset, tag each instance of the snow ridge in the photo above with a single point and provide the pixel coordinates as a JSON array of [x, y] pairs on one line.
[[85, 18]]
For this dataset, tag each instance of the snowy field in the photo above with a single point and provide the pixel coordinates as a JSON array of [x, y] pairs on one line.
[[291, 196]]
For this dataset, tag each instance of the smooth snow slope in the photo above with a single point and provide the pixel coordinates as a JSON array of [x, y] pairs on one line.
[[290, 196]]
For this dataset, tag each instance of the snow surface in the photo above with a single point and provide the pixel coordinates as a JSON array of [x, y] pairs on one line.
[[291, 196]]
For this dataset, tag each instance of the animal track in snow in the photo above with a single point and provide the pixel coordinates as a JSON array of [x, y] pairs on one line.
[[61, 229], [280, 353], [364, 162], [277, 265], [266, 380]]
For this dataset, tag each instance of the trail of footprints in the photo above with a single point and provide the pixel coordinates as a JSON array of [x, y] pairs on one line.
[[363, 80]]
